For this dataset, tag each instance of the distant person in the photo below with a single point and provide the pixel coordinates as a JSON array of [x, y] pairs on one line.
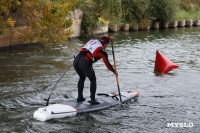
[[89, 54]]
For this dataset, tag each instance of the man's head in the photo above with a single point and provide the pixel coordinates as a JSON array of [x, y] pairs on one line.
[[104, 41]]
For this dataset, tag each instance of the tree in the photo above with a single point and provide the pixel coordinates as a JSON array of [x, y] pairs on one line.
[[163, 10], [133, 11], [48, 21], [97, 11]]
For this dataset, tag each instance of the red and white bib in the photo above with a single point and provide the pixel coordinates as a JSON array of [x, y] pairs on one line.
[[93, 46]]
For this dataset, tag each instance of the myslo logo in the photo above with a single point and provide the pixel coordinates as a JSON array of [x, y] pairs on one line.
[[180, 124]]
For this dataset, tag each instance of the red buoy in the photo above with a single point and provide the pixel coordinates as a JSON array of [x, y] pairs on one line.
[[162, 64]]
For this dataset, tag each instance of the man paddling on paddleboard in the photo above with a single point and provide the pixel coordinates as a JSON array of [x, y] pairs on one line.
[[89, 54]]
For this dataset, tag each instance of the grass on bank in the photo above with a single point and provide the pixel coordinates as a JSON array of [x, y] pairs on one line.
[[193, 13]]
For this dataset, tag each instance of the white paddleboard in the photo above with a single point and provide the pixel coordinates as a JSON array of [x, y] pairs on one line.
[[71, 107]]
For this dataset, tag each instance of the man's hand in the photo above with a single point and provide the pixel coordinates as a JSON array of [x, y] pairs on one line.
[[112, 37], [116, 73]]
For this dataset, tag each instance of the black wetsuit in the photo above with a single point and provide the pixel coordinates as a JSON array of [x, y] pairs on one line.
[[83, 66]]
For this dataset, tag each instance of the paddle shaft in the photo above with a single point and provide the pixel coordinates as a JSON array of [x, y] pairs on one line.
[[116, 71], [56, 84]]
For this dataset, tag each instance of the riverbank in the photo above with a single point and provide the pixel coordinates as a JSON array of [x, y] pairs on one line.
[[155, 25], [7, 42]]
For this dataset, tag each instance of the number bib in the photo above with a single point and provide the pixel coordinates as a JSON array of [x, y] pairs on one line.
[[93, 46]]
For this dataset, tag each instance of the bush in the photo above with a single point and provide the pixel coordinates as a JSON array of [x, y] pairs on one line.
[[192, 13], [163, 10], [89, 22], [46, 18], [96, 12], [113, 11], [133, 11]]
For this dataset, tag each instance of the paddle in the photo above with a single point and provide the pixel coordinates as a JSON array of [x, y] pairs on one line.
[[57, 83], [116, 70]]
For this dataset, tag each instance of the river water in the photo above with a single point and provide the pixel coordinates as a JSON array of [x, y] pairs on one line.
[[27, 76]]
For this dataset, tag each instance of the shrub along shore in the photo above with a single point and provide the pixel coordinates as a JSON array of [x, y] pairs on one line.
[[113, 28], [18, 42]]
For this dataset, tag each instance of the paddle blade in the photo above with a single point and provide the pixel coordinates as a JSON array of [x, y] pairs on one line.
[[48, 101], [162, 64]]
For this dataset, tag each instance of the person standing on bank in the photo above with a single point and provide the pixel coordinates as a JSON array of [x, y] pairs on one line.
[[89, 54]]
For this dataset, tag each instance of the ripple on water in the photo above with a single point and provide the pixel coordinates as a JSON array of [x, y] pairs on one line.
[[28, 75]]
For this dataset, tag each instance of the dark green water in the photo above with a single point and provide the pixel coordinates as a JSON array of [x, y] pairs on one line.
[[28, 74]]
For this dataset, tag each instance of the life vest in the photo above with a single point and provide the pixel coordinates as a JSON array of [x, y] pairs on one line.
[[93, 46]]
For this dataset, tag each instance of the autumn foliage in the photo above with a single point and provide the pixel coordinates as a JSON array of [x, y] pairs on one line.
[[47, 21]]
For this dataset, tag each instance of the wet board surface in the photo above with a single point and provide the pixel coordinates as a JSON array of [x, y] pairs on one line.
[[71, 107], [105, 100]]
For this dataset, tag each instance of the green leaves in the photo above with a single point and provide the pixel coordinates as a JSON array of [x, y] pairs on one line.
[[48, 21], [107, 10], [89, 22], [134, 10], [67, 23], [163, 10]]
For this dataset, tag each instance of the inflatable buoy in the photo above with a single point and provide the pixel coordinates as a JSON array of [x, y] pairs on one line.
[[162, 64]]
